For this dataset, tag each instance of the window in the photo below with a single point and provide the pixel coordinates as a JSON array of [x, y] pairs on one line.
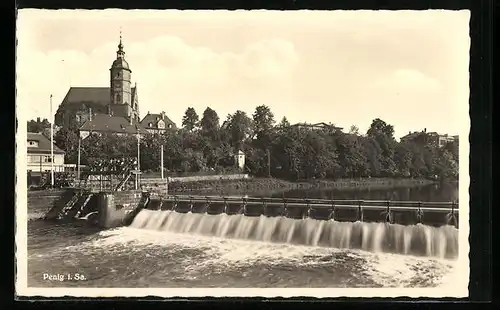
[[34, 159], [32, 143], [47, 159], [169, 125]]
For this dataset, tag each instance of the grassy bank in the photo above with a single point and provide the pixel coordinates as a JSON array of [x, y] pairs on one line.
[[263, 185]]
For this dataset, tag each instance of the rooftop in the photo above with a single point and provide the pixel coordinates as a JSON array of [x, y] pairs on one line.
[[112, 124], [42, 144], [90, 96], [153, 119]]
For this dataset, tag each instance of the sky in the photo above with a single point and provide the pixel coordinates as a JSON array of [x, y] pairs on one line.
[[408, 68]]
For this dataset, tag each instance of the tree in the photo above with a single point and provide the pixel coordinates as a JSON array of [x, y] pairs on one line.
[[403, 159], [263, 121], [209, 124], [67, 140], [38, 125], [378, 127], [240, 127], [352, 159], [190, 120], [383, 134], [354, 130], [150, 151], [284, 123]]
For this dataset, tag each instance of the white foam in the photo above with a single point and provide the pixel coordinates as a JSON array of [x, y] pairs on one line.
[[387, 270]]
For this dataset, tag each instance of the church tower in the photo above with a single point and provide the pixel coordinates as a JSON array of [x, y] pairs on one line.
[[121, 101]]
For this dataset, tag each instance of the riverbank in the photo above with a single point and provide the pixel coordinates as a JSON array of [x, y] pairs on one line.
[[262, 185]]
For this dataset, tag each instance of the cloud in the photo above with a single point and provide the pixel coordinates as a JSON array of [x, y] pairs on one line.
[[407, 79], [169, 71]]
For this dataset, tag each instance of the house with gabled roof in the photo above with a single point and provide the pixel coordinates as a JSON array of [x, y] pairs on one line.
[[157, 123], [39, 154], [317, 126]]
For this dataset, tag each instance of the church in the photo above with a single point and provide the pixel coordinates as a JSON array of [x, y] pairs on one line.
[[113, 109]]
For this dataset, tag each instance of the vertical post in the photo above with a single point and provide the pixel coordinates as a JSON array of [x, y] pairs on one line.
[[268, 163], [51, 144], [161, 161], [138, 152], [137, 183], [79, 155]]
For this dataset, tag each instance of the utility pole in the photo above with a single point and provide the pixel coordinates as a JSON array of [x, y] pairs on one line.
[[138, 152], [137, 182], [79, 155], [51, 144], [161, 161]]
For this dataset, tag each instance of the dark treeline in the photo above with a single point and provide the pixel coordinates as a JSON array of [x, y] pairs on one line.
[[38, 125], [280, 150]]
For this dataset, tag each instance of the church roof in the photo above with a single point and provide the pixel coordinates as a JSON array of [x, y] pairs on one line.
[[120, 63], [90, 96], [153, 120], [112, 124], [43, 146]]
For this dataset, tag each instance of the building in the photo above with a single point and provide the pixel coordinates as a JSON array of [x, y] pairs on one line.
[[157, 123], [239, 159], [105, 123], [112, 109], [39, 151], [317, 126], [434, 137]]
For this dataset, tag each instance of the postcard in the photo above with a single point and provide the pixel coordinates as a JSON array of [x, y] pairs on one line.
[[242, 153]]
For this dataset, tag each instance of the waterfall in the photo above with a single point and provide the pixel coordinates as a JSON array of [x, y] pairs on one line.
[[439, 242]]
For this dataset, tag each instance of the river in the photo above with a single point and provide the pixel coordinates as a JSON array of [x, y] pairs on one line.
[[165, 249]]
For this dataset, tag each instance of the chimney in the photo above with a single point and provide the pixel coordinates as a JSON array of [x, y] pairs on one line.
[[162, 115], [425, 129]]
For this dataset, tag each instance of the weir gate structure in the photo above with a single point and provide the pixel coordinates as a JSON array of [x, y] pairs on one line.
[[111, 209], [393, 212]]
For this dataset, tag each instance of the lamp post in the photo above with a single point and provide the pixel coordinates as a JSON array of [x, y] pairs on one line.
[[79, 154], [161, 161], [138, 151], [51, 144]]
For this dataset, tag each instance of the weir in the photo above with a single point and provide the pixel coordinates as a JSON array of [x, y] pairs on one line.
[[415, 228], [420, 240], [394, 212]]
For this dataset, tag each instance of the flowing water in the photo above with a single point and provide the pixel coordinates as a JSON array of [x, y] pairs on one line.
[[169, 249]]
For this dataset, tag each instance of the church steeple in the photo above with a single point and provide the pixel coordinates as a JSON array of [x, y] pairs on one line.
[[120, 53], [121, 101]]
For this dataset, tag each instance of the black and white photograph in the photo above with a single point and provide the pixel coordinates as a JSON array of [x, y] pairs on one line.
[[260, 153]]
